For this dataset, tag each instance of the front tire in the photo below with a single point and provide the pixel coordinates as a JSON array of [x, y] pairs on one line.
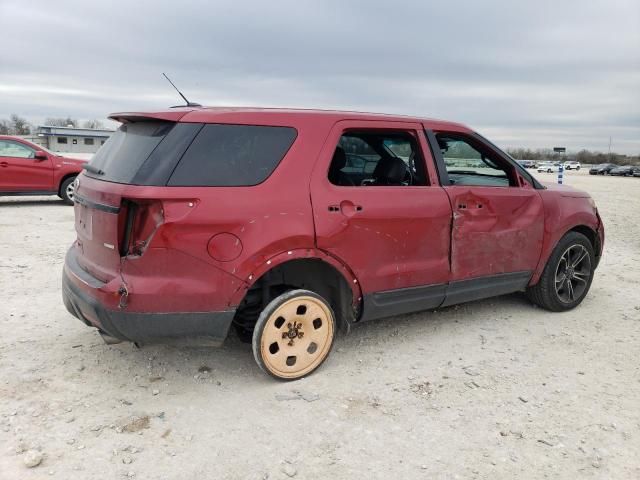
[[67, 190], [567, 276], [294, 334]]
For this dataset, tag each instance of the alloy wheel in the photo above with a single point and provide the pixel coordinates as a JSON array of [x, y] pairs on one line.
[[572, 274], [70, 191]]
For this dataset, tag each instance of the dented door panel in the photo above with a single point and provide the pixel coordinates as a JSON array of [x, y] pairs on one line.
[[495, 230], [399, 239]]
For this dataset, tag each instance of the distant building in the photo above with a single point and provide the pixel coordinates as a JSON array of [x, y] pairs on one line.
[[70, 139]]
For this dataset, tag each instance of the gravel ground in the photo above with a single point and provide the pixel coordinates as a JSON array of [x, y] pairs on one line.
[[490, 389]]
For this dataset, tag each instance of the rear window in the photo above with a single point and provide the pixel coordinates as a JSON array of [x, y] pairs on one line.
[[191, 154], [232, 155], [127, 149]]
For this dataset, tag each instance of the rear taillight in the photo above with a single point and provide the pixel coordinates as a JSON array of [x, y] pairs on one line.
[[138, 222]]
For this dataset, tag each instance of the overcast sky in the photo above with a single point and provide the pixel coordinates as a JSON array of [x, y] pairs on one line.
[[524, 73]]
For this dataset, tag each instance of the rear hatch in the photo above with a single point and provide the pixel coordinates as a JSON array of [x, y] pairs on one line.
[[110, 196], [119, 198]]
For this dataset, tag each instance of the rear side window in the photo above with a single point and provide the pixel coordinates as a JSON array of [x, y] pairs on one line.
[[232, 155]]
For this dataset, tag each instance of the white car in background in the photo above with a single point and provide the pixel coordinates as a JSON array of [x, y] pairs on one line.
[[573, 165], [548, 167]]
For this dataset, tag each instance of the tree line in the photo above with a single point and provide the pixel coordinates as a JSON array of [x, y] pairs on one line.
[[583, 156], [17, 125]]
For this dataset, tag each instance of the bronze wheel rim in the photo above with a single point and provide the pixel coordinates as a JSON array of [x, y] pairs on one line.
[[297, 337]]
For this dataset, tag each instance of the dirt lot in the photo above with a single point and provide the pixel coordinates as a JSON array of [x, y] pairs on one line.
[[491, 389]]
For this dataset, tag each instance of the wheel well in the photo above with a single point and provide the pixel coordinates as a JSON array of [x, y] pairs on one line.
[[307, 273], [62, 180], [591, 235]]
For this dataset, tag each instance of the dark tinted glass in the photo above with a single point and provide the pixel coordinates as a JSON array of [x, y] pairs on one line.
[[232, 155], [127, 149], [157, 169]]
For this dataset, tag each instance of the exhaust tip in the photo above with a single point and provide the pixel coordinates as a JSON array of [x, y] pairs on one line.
[[108, 339]]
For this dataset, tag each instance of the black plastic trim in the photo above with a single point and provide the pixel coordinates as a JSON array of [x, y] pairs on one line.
[[439, 159], [405, 300], [132, 208], [485, 287], [209, 328], [414, 299], [98, 206], [29, 193]]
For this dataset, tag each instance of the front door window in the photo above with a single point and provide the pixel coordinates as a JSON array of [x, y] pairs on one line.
[[15, 150], [469, 164]]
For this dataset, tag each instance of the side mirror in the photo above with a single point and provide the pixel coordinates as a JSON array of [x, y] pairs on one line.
[[40, 155]]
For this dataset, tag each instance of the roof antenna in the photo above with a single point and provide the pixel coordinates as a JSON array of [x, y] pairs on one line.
[[189, 104]]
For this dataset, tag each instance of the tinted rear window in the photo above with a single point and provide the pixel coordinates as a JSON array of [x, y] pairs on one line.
[[191, 154], [232, 155], [127, 149]]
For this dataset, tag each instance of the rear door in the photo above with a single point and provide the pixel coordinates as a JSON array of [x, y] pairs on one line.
[[394, 235], [20, 171], [498, 216]]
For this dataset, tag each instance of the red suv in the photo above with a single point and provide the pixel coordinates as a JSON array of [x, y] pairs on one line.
[[30, 169], [289, 225]]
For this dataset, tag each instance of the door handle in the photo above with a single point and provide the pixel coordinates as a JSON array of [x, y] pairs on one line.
[[4, 164], [346, 207], [349, 209]]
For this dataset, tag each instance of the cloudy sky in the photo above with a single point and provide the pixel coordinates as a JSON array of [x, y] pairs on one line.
[[524, 73]]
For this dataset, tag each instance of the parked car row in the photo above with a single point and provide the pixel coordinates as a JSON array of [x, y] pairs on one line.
[[550, 166], [602, 169], [613, 169]]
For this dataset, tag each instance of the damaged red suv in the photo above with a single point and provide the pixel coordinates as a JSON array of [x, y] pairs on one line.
[[292, 225]]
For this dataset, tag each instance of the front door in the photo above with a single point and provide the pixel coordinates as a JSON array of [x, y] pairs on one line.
[[20, 171], [379, 209], [498, 217]]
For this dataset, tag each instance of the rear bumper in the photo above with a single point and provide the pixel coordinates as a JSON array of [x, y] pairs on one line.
[[209, 328]]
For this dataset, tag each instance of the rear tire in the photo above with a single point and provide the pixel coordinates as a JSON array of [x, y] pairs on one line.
[[67, 190], [294, 334], [567, 276]]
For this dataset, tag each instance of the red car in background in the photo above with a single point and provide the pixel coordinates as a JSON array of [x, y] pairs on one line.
[[30, 169], [290, 225]]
